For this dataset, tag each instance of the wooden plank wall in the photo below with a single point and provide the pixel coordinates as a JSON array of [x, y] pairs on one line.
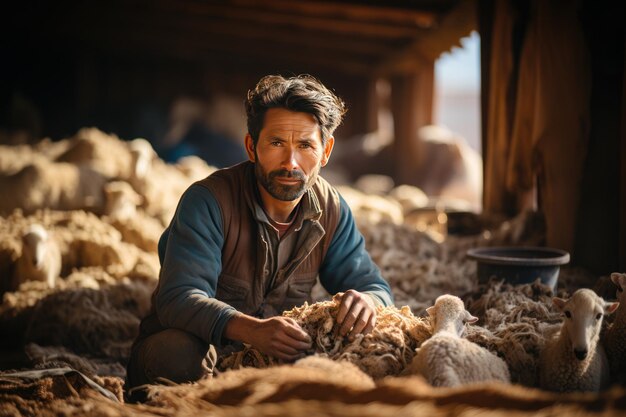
[[600, 229]]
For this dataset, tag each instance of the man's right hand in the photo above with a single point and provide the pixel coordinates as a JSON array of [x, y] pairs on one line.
[[279, 336]]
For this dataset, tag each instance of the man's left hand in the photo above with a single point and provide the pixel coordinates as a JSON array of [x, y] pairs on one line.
[[357, 314]]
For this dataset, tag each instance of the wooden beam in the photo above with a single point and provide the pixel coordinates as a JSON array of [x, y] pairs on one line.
[[429, 45], [622, 181], [198, 29], [350, 11], [178, 46], [287, 20], [222, 31]]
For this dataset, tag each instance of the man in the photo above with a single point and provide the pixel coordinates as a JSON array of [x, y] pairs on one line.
[[248, 242]]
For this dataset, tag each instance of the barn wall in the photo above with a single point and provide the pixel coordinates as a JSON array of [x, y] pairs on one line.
[[558, 132], [68, 87], [598, 230]]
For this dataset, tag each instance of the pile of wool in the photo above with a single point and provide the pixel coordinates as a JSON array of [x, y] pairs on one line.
[[162, 187], [370, 208], [85, 240], [516, 322], [89, 312], [104, 153], [294, 391], [104, 289], [87, 162], [419, 269], [385, 351], [291, 390], [14, 158], [49, 357]]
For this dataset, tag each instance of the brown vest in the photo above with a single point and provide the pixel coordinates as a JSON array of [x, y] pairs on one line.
[[245, 282]]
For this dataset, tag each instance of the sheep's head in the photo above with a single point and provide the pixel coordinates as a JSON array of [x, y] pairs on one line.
[[34, 244], [121, 200], [620, 280], [142, 154], [583, 313], [449, 314]]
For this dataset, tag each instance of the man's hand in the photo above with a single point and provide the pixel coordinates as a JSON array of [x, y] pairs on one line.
[[280, 337], [357, 314]]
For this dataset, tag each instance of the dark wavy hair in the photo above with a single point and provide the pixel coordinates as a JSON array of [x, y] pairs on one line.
[[303, 93]]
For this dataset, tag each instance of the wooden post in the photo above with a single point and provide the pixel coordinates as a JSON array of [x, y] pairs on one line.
[[622, 181], [412, 108]]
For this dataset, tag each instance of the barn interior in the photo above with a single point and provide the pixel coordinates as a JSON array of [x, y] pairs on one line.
[[107, 106]]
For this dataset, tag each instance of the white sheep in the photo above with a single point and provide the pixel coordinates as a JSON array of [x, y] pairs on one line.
[[447, 359], [53, 185], [40, 259], [615, 339], [142, 154], [121, 200], [573, 360], [103, 153]]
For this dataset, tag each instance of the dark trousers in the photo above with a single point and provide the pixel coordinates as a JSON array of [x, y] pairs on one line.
[[170, 355]]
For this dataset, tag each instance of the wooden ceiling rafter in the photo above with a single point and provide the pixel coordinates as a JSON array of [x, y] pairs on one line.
[[288, 20], [178, 46], [349, 11], [199, 30], [254, 34], [458, 23], [375, 37]]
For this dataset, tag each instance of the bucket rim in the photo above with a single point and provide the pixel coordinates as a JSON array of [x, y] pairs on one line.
[[489, 255]]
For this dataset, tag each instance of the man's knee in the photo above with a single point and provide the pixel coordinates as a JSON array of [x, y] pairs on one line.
[[172, 354]]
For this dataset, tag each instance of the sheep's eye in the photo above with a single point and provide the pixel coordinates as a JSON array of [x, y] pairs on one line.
[[598, 316], [568, 314]]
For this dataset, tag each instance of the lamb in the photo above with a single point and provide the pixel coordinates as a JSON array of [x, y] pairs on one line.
[[615, 338], [447, 359], [41, 258], [573, 360]]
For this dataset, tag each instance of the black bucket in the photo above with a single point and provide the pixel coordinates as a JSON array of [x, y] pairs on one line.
[[519, 265]]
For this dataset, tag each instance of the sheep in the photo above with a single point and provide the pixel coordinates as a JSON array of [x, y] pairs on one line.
[[103, 153], [615, 338], [573, 360], [40, 259], [369, 208], [447, 359], [53, 185], [409, 197], [142, 154], [121, 212], [121, 200]]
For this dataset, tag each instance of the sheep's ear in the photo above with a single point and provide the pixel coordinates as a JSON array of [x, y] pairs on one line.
[[559, 302], [615, 278], [431, 311], [618, 279], [469, 318], [610, 307]]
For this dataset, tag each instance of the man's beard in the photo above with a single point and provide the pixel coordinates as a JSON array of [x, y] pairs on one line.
[[284, 192]]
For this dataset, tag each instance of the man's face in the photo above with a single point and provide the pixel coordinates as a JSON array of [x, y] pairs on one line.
[[289, 153]]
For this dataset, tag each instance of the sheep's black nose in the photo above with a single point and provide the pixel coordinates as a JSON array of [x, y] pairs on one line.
[[580, 354]]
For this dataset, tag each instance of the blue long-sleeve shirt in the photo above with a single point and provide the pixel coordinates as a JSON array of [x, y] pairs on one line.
[[190, 251]]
